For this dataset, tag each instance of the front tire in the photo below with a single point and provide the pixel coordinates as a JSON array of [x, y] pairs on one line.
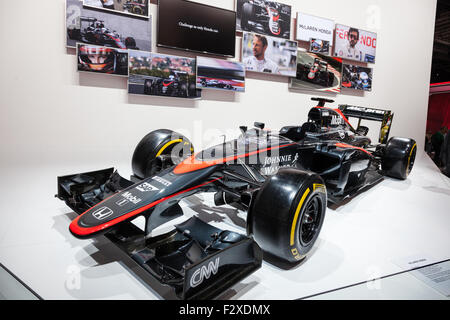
[[287, 214], [399, 157], [158, 150]]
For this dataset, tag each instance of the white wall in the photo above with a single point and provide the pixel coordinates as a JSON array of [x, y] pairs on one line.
[[50, 114]]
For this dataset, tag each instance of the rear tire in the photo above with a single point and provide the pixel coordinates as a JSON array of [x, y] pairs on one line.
[[399, 157], [159, 149], [287, 214]]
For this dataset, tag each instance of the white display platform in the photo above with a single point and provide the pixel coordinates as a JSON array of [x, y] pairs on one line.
[[360, 241]]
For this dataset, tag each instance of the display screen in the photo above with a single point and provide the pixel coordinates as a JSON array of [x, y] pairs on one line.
[[196, 27]]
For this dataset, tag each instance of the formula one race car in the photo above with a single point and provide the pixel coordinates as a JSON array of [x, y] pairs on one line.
[[215, 83], [96, 33], [317, 73], [282, 179], [139, 7], [267, 17], [175, 85]]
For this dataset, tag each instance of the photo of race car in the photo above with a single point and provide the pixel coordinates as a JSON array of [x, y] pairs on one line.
[[175, 85], [91, 26], [220, 74], [133, 7], [356, 77], [265, 17], [162, 75], [283, 180], [317, 73]]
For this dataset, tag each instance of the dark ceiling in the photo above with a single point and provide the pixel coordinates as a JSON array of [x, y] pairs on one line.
[[440, 69]]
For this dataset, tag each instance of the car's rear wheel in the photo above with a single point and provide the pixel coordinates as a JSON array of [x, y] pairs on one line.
[[399, 157], [287, 214], [158, 150]]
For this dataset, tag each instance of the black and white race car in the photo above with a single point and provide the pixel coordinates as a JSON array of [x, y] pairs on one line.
[[316, 72], [283, 180], [266, 17], [94, 31]]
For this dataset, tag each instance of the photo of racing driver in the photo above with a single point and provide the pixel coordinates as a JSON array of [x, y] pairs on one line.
[[356, 77], [102, 60], [355, 44], [268, 54]]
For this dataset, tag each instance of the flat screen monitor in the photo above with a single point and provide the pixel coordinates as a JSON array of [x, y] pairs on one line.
[[196, 27]]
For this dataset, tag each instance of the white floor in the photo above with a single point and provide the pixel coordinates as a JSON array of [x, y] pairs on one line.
[[363, 240]]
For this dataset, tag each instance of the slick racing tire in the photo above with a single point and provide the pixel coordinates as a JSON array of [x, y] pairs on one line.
[[399, 157], [287, 214], [158, 150]]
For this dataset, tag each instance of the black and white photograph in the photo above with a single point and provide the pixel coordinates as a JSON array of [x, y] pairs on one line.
[[355, 44], [220, 74], [102, 59], [319, 46], [356, 77], [92, 26], [162, 75], [132, 7], [317, 72], [266, 54], [264, 17]]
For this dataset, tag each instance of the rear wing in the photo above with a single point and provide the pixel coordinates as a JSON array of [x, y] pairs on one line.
[[364, 113]]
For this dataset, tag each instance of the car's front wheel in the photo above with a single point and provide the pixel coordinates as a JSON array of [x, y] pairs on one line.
[[287, 214]]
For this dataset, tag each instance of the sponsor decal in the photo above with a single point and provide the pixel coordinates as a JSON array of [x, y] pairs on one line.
[[205, 272], [102, 213], [337, 120], [128, 196], [319, 187], [122, 202], [273, 164], [162, 181], [146, 187]]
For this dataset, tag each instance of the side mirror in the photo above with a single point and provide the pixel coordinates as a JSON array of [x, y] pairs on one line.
[[362, 130], [259, 125]]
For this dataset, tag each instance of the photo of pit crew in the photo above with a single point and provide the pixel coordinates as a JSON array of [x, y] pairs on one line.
[[319, 46], [317, 72], [220, 74], [132, 7], [102, 60], [356, 77], [264, 17], [91, 26], [355, 44], [162, 75], [266, 54]]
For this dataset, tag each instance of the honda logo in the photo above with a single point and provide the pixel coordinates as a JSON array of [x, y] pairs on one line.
[[102, 213]]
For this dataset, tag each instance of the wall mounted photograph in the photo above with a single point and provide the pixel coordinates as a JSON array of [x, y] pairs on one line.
[[162, 75], [102, 59], [266, 54], [133, 7], [316, 72], [355, 44], [264, 17], [309, 26], [220, 74], [92, 26], [196, 27], [356, 77], [319, 46]]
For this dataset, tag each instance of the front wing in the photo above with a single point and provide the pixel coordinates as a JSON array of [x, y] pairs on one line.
[[197, 260]]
